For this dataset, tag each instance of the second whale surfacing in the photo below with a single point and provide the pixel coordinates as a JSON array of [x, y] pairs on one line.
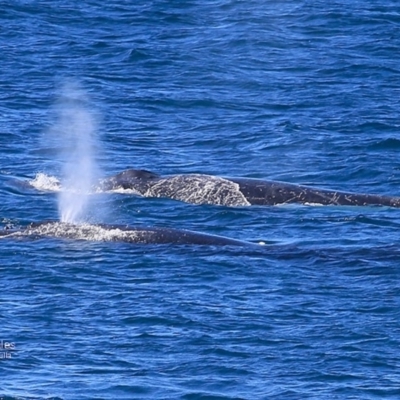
[[122, 233], [209, 189]]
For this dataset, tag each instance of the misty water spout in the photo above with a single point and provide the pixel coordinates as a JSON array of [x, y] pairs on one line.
[[76, 129]]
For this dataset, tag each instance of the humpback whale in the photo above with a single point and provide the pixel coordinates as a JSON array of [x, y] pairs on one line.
[[209, 189], [122, 233]]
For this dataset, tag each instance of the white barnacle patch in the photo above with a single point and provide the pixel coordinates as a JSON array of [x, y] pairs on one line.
[[199, 189]]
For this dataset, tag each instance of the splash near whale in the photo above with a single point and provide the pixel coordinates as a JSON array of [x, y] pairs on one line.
[[208, 189]]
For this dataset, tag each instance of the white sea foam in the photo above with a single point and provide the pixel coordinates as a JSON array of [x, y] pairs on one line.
[[125, 191], [45, 182], [81, 231]]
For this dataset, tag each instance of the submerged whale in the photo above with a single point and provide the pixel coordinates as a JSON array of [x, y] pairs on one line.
[[208, 189], [122, 233]]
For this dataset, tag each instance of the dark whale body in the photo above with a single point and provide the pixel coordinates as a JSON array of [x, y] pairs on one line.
[[260, 192], [122, 233], [208, 189]]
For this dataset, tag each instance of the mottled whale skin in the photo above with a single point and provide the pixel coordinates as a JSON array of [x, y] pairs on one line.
[[122, 233], [236, 191]]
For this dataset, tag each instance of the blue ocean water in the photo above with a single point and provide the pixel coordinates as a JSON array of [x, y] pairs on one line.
[[299, 91]]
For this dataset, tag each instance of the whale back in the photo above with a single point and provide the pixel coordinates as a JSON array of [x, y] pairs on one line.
[[136, 179], [122, 233], [139, 174]]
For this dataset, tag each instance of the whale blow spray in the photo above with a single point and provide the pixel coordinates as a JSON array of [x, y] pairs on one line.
[[76, 130]]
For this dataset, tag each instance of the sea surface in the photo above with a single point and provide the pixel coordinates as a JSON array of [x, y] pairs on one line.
[[304, 92]]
